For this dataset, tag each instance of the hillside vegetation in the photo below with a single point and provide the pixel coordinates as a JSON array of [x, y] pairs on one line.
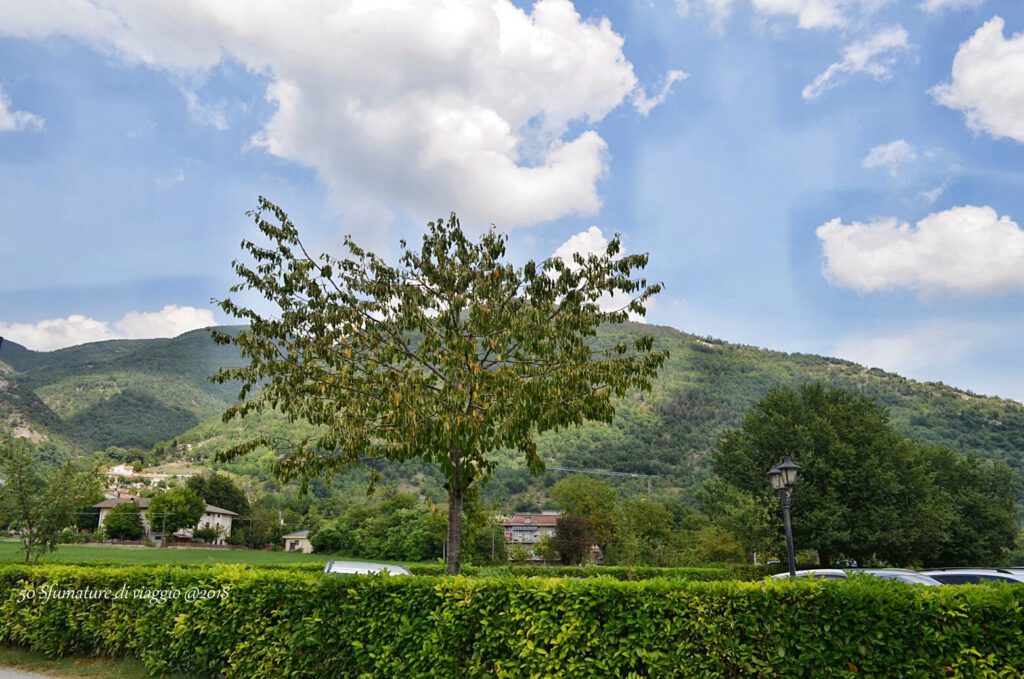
[[140, 393]]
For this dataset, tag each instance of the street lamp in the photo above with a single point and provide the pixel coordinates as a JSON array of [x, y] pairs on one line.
[[783, 478]]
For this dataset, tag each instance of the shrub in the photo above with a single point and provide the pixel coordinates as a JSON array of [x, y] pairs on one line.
[[286, 622]]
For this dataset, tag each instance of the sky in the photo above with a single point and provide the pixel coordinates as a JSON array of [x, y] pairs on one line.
[[839, 177]]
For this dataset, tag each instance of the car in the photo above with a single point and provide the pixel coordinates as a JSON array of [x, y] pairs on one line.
[[364, 568], [898, 574], [973, 576]]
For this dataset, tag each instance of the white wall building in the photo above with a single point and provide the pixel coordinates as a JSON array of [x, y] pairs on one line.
[[213, 517]]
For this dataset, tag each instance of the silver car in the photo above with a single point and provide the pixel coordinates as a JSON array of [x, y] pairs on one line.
[[974, 576], [898, 574], [364, 568]]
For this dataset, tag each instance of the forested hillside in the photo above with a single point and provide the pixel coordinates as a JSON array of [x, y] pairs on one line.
[[144, 393]]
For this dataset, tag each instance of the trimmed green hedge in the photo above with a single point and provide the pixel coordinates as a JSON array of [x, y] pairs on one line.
[[616, 572], [277, 623]]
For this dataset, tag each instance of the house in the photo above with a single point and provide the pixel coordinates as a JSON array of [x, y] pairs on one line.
[[528, 530], [298, 542], [213, 517]]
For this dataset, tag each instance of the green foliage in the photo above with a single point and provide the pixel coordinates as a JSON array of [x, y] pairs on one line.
[[174, 510], [572, 540], [865, 492], [449, 357], [591, 500], [39, 501], [275, 623], [220, 491], [123, 522]]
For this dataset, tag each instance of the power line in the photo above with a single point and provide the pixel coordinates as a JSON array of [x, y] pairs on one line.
[[606, 472]]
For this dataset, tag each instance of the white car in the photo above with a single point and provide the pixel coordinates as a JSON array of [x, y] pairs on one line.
[[898, 574], [364, 568], [974, 576]]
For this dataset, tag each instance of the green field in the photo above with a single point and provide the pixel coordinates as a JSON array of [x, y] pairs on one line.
[[9, 553]]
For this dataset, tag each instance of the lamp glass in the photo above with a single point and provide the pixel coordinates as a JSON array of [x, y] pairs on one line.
[[789, 469], [776, 478]]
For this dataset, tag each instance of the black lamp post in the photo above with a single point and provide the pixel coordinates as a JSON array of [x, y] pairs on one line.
[[783, 478]]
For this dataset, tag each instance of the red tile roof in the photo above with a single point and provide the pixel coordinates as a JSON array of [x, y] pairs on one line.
[[546, 520]]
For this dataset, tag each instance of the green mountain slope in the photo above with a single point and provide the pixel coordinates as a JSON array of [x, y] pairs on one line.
[[139, 393]]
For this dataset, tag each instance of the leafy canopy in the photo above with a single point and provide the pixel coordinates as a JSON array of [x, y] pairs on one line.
[[453, 349], [448, 356], [174, 510], [865, 491], [39, 500]]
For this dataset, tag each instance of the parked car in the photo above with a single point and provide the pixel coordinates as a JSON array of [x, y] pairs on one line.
[[364, 568], [974, 576], [898, 574]]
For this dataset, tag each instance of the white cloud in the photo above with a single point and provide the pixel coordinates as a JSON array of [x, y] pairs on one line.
[[909, 350], [589, 242], [808, 13], [717, 12], [964, 249], [58, 333], [988, 82], [890, 156], [16, 121], [428, 106], [937, 6], [933, 194], [593, 242], [211, 115], [644, 104], [874, 56]]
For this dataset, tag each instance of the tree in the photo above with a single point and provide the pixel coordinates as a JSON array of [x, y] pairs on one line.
[[220, 491], [572, 540], [448, 356], [591, 500], [38, 500], [864, 492], [123, 522], [175, 510]]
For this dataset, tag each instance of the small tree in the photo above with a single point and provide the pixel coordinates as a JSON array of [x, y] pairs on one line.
[[124, 522], [175, 510], [572, 540], [40, 501], [449, 356]]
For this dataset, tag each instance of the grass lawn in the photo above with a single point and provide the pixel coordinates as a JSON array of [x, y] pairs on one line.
[[79, 667], [9, 553]]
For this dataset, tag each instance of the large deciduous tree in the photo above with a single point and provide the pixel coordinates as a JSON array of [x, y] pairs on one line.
[[449, 355], [174, 510], [864, 491]]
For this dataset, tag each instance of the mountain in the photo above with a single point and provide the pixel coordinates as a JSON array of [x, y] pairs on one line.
[[142, 392]]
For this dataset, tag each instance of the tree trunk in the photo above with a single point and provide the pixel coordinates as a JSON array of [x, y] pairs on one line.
[[453, 559]]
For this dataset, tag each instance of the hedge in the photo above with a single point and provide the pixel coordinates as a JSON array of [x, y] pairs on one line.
[[289, 623], [616, 572]]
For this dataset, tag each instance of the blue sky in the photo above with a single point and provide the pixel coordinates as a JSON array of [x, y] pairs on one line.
[[842, 177]]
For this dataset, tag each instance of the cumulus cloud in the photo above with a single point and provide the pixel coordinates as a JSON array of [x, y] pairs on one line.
[[937, 6], [593, 242], [808, 13], [429, 106], [890, 156], [874, 57], [58, 333], [965, 249], [988, 82], [16, 121], [589, 242]]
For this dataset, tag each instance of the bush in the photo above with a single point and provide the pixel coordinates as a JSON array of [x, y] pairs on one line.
[[285, 622]]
